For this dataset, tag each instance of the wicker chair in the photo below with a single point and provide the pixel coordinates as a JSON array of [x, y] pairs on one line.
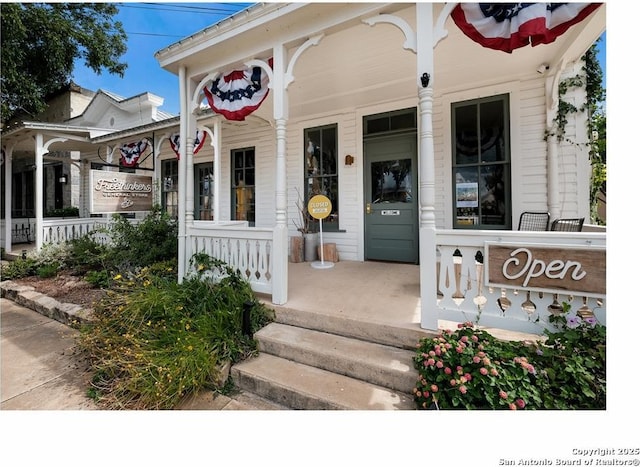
[[567, 225], [534, 221]]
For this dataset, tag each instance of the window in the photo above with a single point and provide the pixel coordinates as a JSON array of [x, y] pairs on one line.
[[243, 185], [481, 163], [203, 174], [169, 198], [321, 170]]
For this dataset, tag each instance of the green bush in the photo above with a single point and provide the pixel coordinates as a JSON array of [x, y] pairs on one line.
[[155, 340], [470, 369], [48, 270], [69, 211], [18, 268]]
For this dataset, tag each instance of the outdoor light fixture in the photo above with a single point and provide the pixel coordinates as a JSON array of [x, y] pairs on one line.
[[348, 159], [63, 179], [542, 68]]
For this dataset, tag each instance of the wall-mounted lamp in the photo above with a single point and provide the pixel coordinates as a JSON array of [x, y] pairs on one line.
[[348, 159], [63, 179], [542, 68]]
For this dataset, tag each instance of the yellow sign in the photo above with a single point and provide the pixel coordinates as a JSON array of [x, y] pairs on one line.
[[319, 207]]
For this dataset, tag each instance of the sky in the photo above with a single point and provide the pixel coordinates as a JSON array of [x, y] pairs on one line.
[[151, 27]]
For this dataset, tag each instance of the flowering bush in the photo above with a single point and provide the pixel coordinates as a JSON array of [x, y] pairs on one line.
[[471, 369]]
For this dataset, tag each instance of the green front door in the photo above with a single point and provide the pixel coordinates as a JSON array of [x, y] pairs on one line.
[[391, 199]]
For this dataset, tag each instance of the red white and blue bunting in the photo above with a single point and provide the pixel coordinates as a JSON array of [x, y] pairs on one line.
[[509, 26], [238, 93], [174, 141], [130, 152]]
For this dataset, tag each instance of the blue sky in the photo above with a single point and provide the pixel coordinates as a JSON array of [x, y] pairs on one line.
[[151, 27]]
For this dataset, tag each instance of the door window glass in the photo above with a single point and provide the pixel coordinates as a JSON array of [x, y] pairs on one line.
[[391, 181]]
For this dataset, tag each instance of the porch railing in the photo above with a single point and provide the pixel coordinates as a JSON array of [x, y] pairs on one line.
[[22, 230], [463, 294], [248, 250]]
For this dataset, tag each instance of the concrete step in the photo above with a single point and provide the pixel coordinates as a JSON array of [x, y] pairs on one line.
[[379, 364], [370, 331], [304, 387]]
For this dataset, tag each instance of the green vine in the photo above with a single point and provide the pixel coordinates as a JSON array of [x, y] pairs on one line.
[[591, 80]]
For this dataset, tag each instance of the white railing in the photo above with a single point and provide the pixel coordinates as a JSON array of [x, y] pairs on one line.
[[248, 250], [464, 296], [62, 230]]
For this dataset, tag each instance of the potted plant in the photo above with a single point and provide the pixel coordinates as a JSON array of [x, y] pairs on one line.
[[305, 226]]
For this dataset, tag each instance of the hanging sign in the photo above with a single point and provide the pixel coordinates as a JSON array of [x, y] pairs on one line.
[[117, 192], [555, 269], [319, 207]]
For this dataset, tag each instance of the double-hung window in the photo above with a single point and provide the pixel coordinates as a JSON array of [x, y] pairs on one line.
[[243, 185]]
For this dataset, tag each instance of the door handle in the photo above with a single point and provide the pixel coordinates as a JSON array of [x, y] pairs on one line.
[[368, 208]]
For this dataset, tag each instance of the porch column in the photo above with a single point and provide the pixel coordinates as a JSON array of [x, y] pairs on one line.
[[553, 101], [279, 255], [182, 76], [39, 185], [191, 127], [8, 181], [425, 77], [217, 144]]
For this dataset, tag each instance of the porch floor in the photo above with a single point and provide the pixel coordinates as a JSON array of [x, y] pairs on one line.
[[375, 292]]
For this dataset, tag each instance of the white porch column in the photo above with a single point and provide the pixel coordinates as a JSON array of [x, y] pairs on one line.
[[279, 255], [217, 144], [553, 187], [191, 127], [184, 101], [8, 181], [39, 185], [428, 257]]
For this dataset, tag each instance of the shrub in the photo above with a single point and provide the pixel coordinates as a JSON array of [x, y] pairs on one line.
[[155, 340], [48, 270], [18, 268], [471, 369], [468, 368]]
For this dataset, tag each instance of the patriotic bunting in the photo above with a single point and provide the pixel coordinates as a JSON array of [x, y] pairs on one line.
[[131, 152], [509, 26], [174, 141], [238, 93]]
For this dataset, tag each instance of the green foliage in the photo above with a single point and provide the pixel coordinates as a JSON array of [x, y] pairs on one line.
[[41, 41], [153, 240], [48, 270], [155, 340], [98, 279], [18, 268], [470, 369]]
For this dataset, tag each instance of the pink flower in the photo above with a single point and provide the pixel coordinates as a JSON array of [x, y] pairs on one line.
[[447, 371], [474, 338], [453, 382], [438, 351], [476, 359], [432, 353], [459, 349], [431, 362], [459, 370], [486, 361], [467, 376], [463, 379], [418, 394], [484, 371], [425, 394], [520, 403], [464, 339], [494, 372], [512, 406], [463, 389], [503, 395], [439, 364], [482, 354], [434, 388]]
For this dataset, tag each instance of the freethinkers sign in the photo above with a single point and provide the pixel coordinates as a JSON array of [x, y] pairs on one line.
[[555, 269], [116, 192]]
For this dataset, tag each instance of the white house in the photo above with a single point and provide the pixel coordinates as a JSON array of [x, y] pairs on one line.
[[428, 144]]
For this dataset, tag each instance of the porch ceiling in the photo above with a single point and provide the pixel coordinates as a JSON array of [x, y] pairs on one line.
[[354, 50]]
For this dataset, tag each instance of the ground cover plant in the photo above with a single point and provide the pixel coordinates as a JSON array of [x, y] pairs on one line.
[[155, 341], [468, 368]]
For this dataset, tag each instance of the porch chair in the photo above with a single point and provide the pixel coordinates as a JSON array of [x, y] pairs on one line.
[[567, 225], [534, 221]]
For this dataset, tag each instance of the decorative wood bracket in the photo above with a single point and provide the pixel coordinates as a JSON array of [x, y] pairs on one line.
[[288, 76], [410, 42]]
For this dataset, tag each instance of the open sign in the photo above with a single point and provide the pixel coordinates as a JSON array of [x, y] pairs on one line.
[[319, 207]]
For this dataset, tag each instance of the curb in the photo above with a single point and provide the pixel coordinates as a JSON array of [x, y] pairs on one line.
[[67, 313]]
